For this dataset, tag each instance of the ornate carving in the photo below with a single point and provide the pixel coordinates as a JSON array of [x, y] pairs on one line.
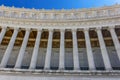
[[74, 18], [65, 15]]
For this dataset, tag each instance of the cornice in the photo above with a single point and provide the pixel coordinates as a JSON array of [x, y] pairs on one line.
[[72, 14], [107, 17], [58, 10]]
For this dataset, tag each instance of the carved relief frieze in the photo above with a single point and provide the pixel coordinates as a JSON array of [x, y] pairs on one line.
[[22, 13], [76, 23]]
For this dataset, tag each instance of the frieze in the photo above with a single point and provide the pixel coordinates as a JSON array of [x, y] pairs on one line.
[[14, 22], [60, 24], [73, 14]]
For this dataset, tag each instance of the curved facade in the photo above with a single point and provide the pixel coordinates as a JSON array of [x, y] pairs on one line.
[[84, 43]]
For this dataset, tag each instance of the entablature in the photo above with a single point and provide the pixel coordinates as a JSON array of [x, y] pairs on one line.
[[72, 14], [59, 24]]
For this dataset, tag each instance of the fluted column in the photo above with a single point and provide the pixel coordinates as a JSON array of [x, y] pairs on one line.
[[22, 49], [104, 52], [115, 40], [89, 50], [9, 49], [75, 51], [62, 50], [49, 50], [2, 33], [35, 51]]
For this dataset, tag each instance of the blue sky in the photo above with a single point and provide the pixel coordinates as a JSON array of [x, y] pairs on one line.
[[58, 4]]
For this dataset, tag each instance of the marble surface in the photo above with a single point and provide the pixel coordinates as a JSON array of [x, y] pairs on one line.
[[45, 77]]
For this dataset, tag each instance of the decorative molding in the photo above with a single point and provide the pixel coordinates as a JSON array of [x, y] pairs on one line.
[[108, 15]]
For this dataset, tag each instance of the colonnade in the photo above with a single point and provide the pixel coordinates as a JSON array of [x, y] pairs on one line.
[[76, 64]]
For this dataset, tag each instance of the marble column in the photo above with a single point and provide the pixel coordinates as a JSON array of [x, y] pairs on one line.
[[75, 50], [22, 49], [2, 33], [104, 52], [35, 51], [49, 50], [62, 50], [115, 40], [9, 49], [89, 50]]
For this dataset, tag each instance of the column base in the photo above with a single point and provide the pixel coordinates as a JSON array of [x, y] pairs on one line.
[[17, 67], [2, 66], [46, 68], [92, 69], [61, 69], [76, 69], [108, 69], [31, 68]]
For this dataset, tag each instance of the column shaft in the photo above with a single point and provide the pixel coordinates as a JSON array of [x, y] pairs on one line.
[[35, 51], [22, 49], [75, 51], [62, 51], [89, 50], [103, 50], [115, 41], [2, 34], [9, 49], [49, 49]]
